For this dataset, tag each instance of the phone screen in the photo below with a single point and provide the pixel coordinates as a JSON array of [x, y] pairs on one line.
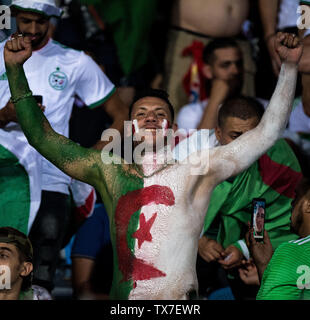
[[258, 218]]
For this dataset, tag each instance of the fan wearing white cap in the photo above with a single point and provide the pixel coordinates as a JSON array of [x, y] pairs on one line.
[[45, 7], [58, 74], [32, 18]]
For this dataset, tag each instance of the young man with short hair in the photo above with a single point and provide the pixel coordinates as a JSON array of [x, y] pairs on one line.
[[223, 71]]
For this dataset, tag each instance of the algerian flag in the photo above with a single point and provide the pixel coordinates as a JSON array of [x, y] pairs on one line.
[[274, 177], [20, 180], [132, 212], [20, 183]]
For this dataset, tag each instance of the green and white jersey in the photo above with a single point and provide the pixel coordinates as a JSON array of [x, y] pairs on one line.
[[287, 276], [59, 73]]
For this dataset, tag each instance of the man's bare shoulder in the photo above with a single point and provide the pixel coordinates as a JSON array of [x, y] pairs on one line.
[[106, 160]]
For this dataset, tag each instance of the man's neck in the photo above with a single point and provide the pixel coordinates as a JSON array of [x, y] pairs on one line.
[[151, 162], [304, 230], [156, 157]]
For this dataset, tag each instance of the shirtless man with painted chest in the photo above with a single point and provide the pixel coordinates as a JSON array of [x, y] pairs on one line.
[[156, 210]]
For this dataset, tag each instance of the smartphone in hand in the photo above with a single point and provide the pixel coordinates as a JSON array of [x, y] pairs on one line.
[[258, 218]]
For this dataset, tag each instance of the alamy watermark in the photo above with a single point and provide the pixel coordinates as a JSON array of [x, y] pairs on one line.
[[5, 17], [168, 146], [303, 21], [5, 277], [303, 282]]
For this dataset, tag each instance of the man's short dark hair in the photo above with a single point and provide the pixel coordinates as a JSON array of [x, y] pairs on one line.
[[157, 93], [218, 43], [241, 107]]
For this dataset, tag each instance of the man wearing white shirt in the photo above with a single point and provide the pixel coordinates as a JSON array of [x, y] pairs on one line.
[[58, 74]]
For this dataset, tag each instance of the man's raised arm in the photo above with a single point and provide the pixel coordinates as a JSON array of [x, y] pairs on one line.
[[238, 155], [77, 162]]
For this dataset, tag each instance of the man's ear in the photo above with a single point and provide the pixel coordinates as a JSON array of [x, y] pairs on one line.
[[26, 269], [174, 127], [207, 71]]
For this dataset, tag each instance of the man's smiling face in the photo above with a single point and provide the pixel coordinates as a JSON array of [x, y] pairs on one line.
[[151, 114]]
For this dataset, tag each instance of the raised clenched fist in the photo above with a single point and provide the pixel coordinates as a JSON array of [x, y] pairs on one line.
[[17, 50], [288, 47]]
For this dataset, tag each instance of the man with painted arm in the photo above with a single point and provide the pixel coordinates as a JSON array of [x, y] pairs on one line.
[[156, 209], [35, 195]]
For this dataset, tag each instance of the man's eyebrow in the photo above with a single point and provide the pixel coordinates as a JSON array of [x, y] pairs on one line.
[[232, 61], [160, 108], [156, 109], [235, 132], [6, 248]]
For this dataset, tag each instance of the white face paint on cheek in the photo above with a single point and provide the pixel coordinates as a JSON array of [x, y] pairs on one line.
[[164, 126], [135, 124]]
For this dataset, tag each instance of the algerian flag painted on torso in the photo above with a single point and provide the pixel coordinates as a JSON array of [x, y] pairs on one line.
[[153, 239]]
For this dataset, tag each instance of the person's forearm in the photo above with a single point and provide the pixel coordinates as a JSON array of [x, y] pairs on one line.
[[209, 118], [268, 11], [30, 117], [242, 152], [276, 115], [77, 162]]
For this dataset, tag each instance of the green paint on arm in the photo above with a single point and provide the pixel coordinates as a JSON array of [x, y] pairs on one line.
[[78, 162]]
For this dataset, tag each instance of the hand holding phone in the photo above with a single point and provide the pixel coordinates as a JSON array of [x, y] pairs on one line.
[[258, 218]]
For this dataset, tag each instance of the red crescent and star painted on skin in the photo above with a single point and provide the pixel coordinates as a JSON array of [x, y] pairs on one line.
[[130, 266], [143, 233]]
